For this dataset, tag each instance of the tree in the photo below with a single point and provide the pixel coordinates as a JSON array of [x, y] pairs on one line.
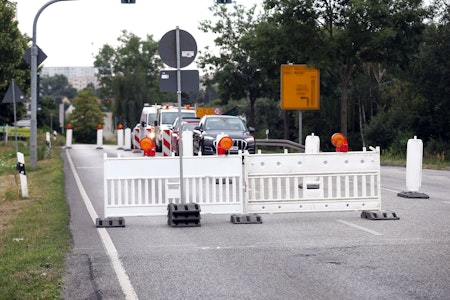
[[85, 118], [235, 68], [128, 75], [430, 76], [12, 66], [57, 87]]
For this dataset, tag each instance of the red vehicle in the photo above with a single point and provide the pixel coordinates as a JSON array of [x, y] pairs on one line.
[[186, 124]]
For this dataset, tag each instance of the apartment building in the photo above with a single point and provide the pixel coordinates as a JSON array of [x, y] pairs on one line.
[[78, 77]]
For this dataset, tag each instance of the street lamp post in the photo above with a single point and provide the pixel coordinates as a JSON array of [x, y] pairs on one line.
[[34, 59]]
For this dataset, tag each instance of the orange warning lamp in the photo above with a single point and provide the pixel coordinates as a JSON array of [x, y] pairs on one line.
[[224, 144], [340, 142], [99, 126], [120, 126], [188, 106], [147, 146], [69, 126]]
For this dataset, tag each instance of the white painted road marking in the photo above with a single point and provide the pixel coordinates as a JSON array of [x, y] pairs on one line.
[[359, 227], [122, 276], [390, 190]]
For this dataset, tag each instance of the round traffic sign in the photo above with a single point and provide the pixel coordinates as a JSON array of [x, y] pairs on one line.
[[167, 48]]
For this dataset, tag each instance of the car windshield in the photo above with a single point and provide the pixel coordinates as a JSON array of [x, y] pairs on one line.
[[188, 126], [151, 117], [168, 117], [228, 124]]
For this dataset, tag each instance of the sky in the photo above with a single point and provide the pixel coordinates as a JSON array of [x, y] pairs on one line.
[[71, 33]]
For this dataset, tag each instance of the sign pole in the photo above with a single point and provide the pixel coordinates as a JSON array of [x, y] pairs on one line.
[[300, 127], [179, 110], [15, 118]]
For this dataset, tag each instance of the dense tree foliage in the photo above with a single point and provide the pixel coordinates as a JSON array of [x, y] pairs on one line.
[[384, 66], [85, 118], [12, 66], [52, 91], [129, 75]]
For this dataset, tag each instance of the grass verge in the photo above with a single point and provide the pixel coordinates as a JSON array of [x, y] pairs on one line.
[[34, 232]]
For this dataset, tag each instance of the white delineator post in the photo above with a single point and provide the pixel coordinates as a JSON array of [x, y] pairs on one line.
[[312, 185], [23, 175], [188, 146], [120, 137], [414, 154], [99, 137], [127, 144], [69, 137]]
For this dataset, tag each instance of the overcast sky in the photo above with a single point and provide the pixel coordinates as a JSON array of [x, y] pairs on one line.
[[71, 32]]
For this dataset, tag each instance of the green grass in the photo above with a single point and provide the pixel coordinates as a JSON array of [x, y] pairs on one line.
[[428, 161], [35, 233]]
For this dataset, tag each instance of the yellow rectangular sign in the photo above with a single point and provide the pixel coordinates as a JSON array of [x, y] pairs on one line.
[[300, 87], [201, 111]]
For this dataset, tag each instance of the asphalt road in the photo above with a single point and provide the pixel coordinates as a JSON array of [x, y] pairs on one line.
[[326, 255]]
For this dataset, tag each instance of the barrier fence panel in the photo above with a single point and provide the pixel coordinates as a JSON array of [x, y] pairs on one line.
[[300, 182], [142, 186], [264, 183]]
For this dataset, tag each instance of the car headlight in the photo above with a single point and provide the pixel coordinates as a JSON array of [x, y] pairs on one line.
[[209, 138]]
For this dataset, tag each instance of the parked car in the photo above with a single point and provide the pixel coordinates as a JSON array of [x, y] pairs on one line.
[[204, 135], [186, 124]]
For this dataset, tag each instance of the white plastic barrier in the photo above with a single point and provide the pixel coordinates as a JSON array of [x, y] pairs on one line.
[[120, 139], [142, 186], [188, 145], [348, 181], [414, 154], [264, 183], [100, 138], [313, 185], [69, 138], [127, 142]]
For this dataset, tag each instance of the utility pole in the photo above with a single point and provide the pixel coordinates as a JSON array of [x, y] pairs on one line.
[[34, 60], [34, 65]]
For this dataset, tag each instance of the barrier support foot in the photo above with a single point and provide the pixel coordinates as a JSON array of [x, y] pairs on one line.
[[246, 219], [379, 215], [183, 215], [413, 195], [110, 222]]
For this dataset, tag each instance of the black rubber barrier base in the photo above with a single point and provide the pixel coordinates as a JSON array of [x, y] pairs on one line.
[[246, 219], [379, 215], [413, 195], [110, 222], [183, 215]]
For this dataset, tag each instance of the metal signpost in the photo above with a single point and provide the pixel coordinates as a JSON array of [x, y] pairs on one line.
[[177, 49]]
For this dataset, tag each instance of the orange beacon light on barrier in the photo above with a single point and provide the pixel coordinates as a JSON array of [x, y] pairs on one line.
[[340, 142], [148, 146], [224, 144]]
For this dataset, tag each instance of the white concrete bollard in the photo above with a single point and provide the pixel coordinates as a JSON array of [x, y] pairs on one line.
[[188, 143], [127, 139], [69, 137], [99, 137], [414, 154], [23, 175]]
